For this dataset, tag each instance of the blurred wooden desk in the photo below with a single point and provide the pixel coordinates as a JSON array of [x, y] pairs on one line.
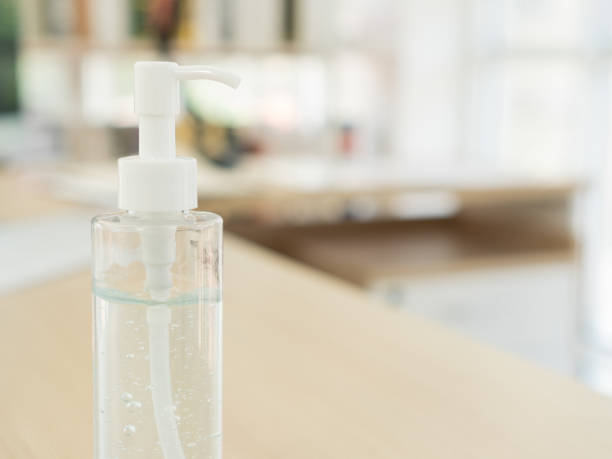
[[312, 370]]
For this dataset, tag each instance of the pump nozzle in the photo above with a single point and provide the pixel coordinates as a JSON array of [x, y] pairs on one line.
[[157, 180], [156, 92], [202, 72]]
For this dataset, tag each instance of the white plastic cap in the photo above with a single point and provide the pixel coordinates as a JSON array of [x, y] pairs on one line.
[[156, 180]]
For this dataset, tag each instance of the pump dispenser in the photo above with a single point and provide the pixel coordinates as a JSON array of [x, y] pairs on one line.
[[157, 292], [157, 180]]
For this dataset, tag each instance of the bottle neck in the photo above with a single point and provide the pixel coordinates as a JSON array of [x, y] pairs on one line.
[[156, 138], [161, 218]]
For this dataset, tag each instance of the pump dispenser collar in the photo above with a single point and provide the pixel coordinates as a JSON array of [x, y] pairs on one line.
[[156, 180]]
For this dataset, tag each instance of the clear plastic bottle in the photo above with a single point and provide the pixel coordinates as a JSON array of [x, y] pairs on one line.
[[157, 292], [157, 344]]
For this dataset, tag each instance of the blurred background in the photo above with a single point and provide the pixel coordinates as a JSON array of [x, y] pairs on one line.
[[450, 157]]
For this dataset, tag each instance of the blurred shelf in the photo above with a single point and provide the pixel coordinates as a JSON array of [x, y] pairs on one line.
[[292, 189], [257, 191], [374, 252], [274, 201], [80, 45]]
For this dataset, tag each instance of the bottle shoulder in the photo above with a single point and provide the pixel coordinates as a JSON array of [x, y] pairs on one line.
[[187, 219]]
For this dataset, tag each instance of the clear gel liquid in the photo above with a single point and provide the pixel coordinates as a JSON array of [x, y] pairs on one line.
[[125, 421]]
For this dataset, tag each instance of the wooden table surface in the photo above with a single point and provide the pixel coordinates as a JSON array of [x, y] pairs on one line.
[[313, 369]]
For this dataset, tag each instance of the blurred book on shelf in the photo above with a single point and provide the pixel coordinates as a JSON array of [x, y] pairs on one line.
[[307, 88], [8, 57]]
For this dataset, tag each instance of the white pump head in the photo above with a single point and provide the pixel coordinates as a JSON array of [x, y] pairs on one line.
[[156, 180]]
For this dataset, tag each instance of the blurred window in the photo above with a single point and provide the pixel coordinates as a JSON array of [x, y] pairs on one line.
[[511, 84]]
